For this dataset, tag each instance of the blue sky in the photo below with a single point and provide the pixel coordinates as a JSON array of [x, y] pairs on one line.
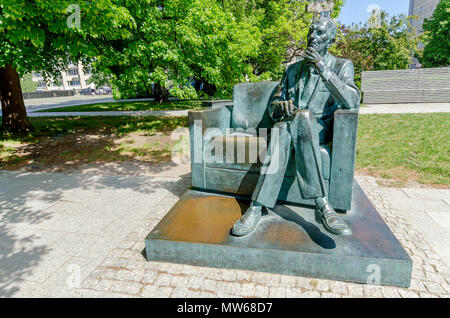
[[355, 11]]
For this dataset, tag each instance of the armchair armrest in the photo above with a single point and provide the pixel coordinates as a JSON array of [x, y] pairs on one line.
[[205, 122], [343, 158]]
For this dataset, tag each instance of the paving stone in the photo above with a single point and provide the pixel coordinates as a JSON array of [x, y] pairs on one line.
[[179, 292], [288, 281], [434, 277], [417, 285], [338, 287], [204, 294], [277, 292], [390, 292], [127, 275], [435, 288], [149, 277], [163, 280], [265, 279], [164, 292], [322, 285], [408, 294], [190, 270], [427, 295], [311, 294], [247, 290], [170, 268], [228, 275], [195, 282], [304, 283], [149, 291], [208, 285], [372, 291], [180, 281], [233, 288], [356, 290], [294, 293], [242, 276], [261, 291], [330, 295], [418, 273], [126, 287]]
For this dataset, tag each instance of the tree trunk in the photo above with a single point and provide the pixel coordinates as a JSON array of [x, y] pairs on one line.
[[161, 94], [14, 117]]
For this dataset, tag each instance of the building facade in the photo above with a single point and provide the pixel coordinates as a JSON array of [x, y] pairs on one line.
[[74, 77], [423, 9]]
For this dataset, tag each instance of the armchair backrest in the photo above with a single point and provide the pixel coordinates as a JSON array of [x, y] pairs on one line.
[[251, 101]]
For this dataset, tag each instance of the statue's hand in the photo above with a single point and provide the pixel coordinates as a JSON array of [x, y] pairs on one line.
[[284, 108], [315, 59]]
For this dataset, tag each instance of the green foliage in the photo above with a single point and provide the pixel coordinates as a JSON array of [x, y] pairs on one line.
[[99, 78], [383, 43], [35, 34], [27, 84], [219, 43], [437, 37]]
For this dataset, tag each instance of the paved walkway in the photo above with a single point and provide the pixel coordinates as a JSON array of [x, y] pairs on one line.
[[82, 235], [37, 104], [176, 113], [418, 108]]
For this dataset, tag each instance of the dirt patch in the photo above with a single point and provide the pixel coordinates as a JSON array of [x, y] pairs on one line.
[[78, 151], [398, 178]]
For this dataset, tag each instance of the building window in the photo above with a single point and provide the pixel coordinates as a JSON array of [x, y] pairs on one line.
[[73, 72], [42, 84], [74, 83]]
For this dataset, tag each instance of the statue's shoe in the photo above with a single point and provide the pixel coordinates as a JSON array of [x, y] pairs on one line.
[[248, 222], [331, 221]]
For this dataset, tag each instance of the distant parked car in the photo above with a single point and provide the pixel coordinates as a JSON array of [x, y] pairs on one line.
[[86, 91], [104, 90]]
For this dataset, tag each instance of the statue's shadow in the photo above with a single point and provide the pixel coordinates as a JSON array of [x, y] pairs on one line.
[[311, 229]]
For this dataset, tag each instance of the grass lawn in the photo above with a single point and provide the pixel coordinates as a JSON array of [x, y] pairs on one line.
[[57, 144], [405, 148], [130, 106]]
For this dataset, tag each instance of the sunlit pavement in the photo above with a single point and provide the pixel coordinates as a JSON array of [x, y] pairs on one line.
[[82, 235]]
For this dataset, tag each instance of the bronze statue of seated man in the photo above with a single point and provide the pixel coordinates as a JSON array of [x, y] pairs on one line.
[[310, 92]]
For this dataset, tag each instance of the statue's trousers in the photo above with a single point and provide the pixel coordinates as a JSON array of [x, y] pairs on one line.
[[303, 133]]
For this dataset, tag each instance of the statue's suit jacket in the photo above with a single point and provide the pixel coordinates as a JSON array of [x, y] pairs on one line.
[[321, 95]]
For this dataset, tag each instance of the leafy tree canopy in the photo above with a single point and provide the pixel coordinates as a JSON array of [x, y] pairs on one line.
[[382, 43], [437, 37], [216, 42], [27, 83], [35, 35]]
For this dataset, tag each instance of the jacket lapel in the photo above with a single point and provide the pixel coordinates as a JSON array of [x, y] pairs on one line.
[[318, 83], [300, 83]]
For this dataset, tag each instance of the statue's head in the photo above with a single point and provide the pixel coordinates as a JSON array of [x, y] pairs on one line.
[[322, 34]]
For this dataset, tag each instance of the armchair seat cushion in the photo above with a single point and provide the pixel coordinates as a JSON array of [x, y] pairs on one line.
[[247, 152]]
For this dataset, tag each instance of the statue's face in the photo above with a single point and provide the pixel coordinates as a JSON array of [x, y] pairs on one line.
[[319, 36]]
